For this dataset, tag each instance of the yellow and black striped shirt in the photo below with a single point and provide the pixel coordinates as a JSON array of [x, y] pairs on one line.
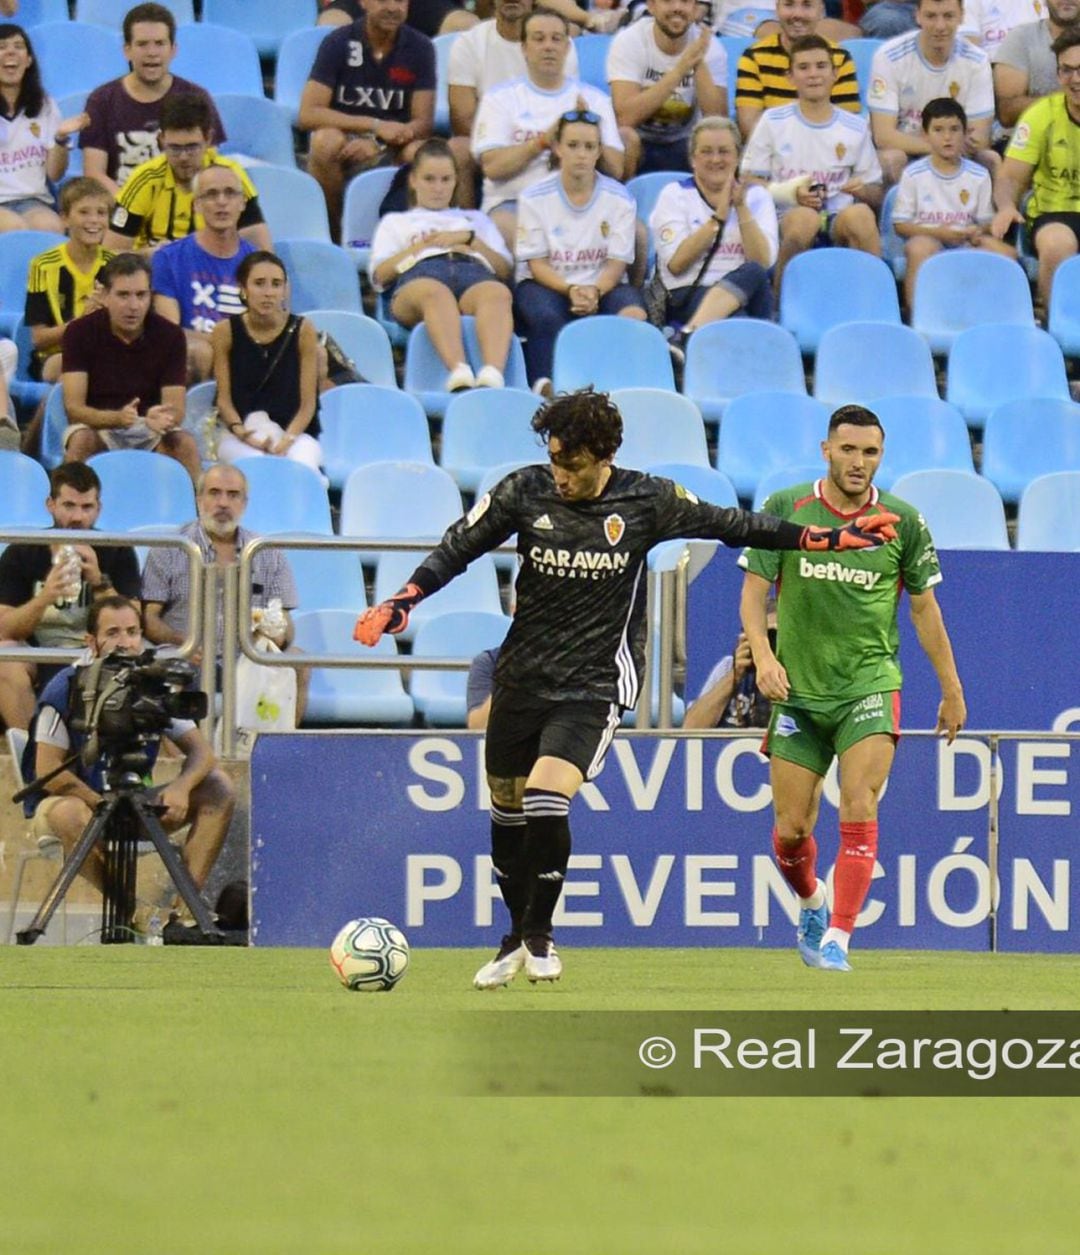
[[57, 290], [763, 77]]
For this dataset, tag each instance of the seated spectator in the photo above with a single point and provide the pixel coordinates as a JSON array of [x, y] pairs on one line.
[[266, 368], [1024, 65], [124, 373], [125, 113], [41, 603], [885, 19], [730, 697], [575, 241], [34, 141], [63, 281], [436, 263], [763, 81], [664, 72], [157, 203], [194, 279], [911, 70], [944, 200], [818, 163], [516, 123], [369, 100], [716, 237], [429, 17], [987, 22]]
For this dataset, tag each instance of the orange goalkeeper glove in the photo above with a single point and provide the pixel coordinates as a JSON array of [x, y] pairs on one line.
[[868, 531], [390, 616]]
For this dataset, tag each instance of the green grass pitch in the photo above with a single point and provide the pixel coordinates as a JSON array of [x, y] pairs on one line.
[[236, 1102]]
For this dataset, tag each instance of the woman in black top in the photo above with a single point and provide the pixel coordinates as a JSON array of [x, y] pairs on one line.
[[265, 366]]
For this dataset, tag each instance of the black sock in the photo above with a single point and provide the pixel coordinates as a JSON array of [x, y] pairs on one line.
[[547, 853], [508, 859]]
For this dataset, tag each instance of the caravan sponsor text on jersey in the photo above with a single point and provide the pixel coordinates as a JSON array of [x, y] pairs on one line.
[[578, 564]]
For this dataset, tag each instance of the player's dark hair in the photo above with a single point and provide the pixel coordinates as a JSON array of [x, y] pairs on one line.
[[114, 601], [810, 43], [943, 107], [435, 147], [123, 266], [856, 416], [76, 475], [82, 188], [256, 259], [541, 12], [1069, 38], [31, 97], [581, 420], [186, 112], [149, 13]]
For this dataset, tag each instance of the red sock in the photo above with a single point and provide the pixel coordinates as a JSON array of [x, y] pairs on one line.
[[853, 871], [797, 862]]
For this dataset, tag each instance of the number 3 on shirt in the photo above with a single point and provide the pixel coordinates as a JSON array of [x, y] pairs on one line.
[[356, 53]]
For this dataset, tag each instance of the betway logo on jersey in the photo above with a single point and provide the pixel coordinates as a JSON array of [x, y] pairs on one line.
[[836, 573], [578, 564]]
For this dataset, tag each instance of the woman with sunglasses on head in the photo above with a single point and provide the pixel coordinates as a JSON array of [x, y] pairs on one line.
[[575, 241], [435, 262], [34, 143]]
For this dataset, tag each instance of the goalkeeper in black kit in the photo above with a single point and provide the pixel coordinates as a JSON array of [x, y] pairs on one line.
[[573, 658]]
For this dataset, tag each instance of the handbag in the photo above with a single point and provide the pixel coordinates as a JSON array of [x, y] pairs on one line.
[[340, 366], [657, 295], [265, 696]]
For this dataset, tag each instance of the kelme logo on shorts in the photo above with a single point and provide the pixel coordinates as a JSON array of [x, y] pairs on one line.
[[837, 573], [786, 726]]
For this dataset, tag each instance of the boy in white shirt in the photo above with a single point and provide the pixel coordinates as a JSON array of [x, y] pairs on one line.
[[944, 200]]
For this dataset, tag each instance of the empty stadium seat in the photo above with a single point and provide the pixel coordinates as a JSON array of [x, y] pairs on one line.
[[284, 496], [77, 56], [360, 212], [24, 390], [425, 373], [142, 489], [362, 340], [611, 352], [921, 433], [476, 588], [962, 511], [862, 361], [111, 12], [219, 59], [267, 22], [439, 696], [486, 427], [592, 50], [963, 287], [734, 46], [645, 188], [443, 44], [768, 431], [728, 358], [259, 129], [364, 423], [862, 53], [294, 61], [1025, 439], [292, 202], [328, 579], [706, 483], [398, 501], [1049, 514], [341, 695], [998, 362], [53, 428], [659, 426], [786, 477], [892, 246], [321, 276], [35, 12], [24, 485], [827, 286], [1064, 320], [16, 250]]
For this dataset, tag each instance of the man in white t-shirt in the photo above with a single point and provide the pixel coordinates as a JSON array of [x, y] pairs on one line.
[[664, 72], [515, 123], [987, 22], [911, 70], [818, 162]]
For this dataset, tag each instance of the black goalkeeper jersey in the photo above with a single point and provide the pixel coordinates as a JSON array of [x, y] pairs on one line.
[[579, 627]]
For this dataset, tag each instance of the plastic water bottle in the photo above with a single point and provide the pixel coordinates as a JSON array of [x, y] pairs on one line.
[[67, 558], [154, 930]]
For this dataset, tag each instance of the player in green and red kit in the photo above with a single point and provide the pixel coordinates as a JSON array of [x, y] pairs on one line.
[[834, 679]]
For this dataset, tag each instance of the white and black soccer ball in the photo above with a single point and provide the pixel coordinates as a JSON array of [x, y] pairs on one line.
[[369, 954]]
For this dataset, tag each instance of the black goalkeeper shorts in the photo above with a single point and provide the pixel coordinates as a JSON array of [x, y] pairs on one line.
[[523, 728]]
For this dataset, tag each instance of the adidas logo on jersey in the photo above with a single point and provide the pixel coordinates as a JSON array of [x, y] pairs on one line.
[[544, 524], [837, 573]]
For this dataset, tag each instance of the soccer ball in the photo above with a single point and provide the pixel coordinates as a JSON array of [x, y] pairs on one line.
[[369, 955]]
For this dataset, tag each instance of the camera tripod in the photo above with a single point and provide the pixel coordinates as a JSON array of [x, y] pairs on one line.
[[123, 818]]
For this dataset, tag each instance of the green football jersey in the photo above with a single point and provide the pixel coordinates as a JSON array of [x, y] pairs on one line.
[[837, 634]]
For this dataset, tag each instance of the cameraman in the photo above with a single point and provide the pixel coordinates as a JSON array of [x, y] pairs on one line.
[[201, 794]]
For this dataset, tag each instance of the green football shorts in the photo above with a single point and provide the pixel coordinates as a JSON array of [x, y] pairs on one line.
[[812, 738]]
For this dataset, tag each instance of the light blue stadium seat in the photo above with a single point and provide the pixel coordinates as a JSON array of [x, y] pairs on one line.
[[398, 501], [592, 50], [862, 53], [425, 374], [1049, 514], [443, 44], [734, 46], [645, 188], [24, 390], [964, 287], [892, 246], [24, 485], [486, 427], [219, 59], [362, 340], [611, 352], [341, 695], [365, 423], [294, 61], [77, 56], [495, 473], [1064, 320], [786, 477], [201, 400], [962, 511], [35, 12], [267, 22], [259, 129], [998, 362], [921, 433], [142, 489], [53, 428], [827, 286], [1028, 438], [292, 202], [734, 356], [659, 426], [439, 696], [328, 579], [284, 496], [360, 212], [111, 12], [706, 483], [476, 588], [69, 105], [320, 276], [768, 431], [858, 362], [16, 250]]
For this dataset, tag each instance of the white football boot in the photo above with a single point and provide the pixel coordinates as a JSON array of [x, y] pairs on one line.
[[506, 964]]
